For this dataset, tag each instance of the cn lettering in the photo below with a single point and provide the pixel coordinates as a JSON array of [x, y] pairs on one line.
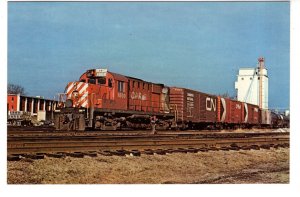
[[210, 104]]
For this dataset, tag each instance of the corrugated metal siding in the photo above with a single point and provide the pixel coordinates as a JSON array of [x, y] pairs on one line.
[[177, 101]]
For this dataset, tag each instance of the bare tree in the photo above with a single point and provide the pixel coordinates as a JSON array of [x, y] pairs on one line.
[[227, 95], [15, 89], [224, 95]]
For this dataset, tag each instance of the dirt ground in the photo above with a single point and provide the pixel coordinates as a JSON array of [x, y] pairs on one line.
[[245, 166]]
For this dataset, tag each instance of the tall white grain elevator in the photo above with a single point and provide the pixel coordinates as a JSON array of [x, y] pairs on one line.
[[252, 85]]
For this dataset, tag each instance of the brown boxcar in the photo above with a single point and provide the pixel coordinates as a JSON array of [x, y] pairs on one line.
[[251, 114], [193, 106], [236, 112], [230, 111]]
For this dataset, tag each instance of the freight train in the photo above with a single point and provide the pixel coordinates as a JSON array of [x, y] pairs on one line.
[[104, 100]]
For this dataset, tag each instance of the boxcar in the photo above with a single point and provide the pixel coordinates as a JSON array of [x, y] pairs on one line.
[[230, 112], [251, 114], [192, 108]]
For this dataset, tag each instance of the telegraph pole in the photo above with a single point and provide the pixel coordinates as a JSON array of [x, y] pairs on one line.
[[261, 62]]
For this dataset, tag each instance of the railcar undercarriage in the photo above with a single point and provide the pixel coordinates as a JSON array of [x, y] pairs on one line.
[[80, 120], [76, 119]]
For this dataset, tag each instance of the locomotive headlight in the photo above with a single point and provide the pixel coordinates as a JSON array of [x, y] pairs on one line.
[[75, 94]]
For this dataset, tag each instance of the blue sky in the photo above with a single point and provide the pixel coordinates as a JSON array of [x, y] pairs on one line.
[[198, 45]]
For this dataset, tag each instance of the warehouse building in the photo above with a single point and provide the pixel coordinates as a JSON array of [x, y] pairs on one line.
[[36, 106]]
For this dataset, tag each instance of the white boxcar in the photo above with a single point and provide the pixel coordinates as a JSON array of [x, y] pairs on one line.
[[265, 117]]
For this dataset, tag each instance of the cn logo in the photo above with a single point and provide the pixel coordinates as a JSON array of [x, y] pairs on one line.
[[210, 104]]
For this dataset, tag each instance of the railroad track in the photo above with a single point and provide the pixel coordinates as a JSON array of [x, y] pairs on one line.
[[204, 133], [40, 130], [38, 147]]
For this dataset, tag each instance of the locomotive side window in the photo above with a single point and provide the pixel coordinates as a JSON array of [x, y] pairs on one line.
[[101, 80], [110, 83], [129, 84], [83, 80], [121, 86], [92, 81]]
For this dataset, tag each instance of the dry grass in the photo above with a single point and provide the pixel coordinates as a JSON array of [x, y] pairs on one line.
[[254, 130], [254, 166]]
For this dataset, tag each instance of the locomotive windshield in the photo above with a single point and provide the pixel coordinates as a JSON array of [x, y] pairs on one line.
[[101, 80], [93, 80]]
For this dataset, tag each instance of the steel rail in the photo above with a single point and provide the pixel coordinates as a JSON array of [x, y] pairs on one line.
[[126, 134], [42, 131], [59, 139], [44, 146]]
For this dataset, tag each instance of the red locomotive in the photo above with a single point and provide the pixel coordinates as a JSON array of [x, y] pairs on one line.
[[108, 101]]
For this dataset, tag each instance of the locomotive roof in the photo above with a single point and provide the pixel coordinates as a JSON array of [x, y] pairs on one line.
[[125, 78], [145, 81], [119, 77]]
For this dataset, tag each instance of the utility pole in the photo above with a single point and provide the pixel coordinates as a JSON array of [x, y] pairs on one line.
[[261, 62]]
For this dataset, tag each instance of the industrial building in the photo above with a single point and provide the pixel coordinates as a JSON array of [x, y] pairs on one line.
[[252, 85], [36, 106]]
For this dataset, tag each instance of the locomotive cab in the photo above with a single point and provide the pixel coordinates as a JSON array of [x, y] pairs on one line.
[[95, 76]]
